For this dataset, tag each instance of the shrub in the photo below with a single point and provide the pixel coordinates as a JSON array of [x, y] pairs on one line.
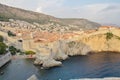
[[11, 34], [13, 50], [118, 37], [109, 35], [71, 44], [3, 18], [1, 38], [3, 47], [29, 52]]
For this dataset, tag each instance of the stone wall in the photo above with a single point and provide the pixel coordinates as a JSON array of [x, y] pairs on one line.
[[4, 59]]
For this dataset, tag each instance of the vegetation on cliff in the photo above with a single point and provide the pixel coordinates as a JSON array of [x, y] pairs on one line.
[[1, 38], [71, 44], [11, 34], [118, 37], [13, 50], [109, 35], [29, 52], [3, 48]]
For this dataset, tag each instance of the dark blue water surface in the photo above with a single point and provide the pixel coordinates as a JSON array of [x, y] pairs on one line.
[[90, 66]]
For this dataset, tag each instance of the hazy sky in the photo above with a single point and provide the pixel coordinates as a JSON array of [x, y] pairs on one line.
[[103, 11]]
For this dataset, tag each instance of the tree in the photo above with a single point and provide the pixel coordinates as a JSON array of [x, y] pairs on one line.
[[13, 50], [3, 18], [3, 47], [1, 38], [11, 34], [29, 52]]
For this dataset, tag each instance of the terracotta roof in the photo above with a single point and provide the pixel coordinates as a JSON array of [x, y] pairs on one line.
[[44, 36]]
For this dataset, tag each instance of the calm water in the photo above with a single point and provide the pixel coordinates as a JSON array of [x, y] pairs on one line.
[[90, 66]]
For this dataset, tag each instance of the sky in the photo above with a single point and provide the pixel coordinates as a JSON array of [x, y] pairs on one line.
[[101, 11]]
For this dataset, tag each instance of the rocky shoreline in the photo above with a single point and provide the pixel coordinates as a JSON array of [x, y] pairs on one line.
[[60, 52]]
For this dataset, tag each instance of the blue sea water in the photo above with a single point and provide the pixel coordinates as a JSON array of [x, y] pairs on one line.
[[97, 65]]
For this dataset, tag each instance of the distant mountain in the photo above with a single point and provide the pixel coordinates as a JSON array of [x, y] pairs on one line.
[[110, 24], [7, 12]]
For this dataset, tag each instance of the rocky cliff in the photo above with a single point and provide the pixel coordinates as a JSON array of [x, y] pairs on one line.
[[60, 50], [97, 41], [100, 43]]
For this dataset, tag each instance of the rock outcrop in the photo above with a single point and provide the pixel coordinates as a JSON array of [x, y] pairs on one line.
[[51, 63], [46, 60], [60, 51], [77, 48]]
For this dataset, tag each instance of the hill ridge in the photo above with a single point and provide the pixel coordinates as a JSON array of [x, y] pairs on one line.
[[7, 12]]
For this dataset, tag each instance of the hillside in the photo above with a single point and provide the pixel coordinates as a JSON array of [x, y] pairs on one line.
[[7, 12]]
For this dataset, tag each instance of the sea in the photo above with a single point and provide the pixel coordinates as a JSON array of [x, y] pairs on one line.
[[93, 65]]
